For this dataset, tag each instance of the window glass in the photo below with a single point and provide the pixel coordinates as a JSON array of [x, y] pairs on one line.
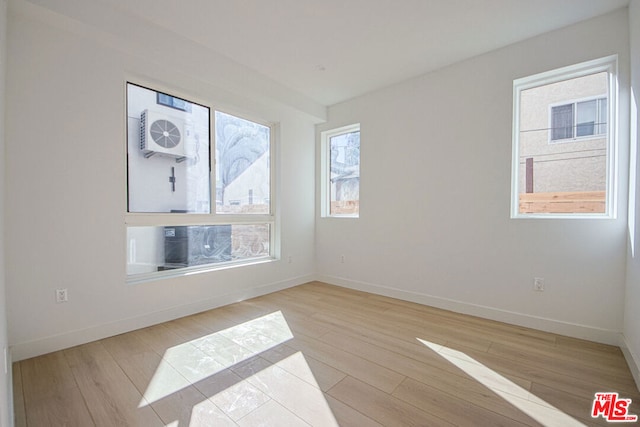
[[601, 117], [344, 153], [562, 148], [167, 153], [160, 248], [562, 122], [169, 169], [587, 113], [243, 165]]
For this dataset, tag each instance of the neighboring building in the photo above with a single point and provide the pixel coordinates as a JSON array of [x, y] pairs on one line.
[[345, 173], [563, 142]]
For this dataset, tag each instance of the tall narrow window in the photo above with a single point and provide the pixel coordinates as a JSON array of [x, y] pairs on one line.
[[191, 207], [243, 183], [563, 142], [341, 172]]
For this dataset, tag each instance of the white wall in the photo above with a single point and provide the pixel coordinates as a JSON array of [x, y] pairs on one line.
[[434, 222], [6, 409], [66, 169], [631, 332]]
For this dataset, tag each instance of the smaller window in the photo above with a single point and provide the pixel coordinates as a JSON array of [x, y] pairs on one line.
[[341, 172], [579, 119], [564, 147]]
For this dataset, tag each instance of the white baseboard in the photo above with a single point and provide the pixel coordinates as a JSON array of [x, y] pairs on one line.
[[591, 333], [45, 345], [633, 360], [25, 350]]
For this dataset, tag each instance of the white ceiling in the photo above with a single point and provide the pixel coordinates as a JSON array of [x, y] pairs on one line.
[[333, 50]]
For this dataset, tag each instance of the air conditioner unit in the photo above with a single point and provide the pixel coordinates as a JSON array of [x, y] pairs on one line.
[[162, 134]]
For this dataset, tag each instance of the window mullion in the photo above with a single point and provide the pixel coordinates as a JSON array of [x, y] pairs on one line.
[[574, 125], [133, 219]]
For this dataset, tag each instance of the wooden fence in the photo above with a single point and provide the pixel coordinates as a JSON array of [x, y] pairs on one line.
[[563, 202], [345, 207]]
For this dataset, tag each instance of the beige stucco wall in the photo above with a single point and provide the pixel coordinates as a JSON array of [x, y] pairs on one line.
[[577, 164]]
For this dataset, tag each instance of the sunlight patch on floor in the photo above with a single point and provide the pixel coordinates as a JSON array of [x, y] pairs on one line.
[[196, 360], [251, 390], [291, 385], [541, 411]]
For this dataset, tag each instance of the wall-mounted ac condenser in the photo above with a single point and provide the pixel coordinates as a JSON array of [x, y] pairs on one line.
[[196, 244], [162, 134]]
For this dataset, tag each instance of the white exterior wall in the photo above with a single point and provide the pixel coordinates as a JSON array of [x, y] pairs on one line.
[[255, 177], [66, 168], [434, 222]]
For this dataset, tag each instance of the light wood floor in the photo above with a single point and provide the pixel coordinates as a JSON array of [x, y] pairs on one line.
[[322, 355]]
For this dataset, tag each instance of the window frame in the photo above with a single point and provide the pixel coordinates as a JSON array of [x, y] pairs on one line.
[[163, 219], [607, 64], [325, 167]]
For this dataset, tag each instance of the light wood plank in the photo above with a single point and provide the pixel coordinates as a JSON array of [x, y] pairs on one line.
[[376, 375], [603, 374], [409, 328], [349, 417], [111, 397], [19, 410], [64, 409], [384, 408], [566, 382], [51, 392], [304, 366], [452, 408], [46, 376], [169, 393]]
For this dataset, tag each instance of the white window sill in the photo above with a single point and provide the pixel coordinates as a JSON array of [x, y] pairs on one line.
[[134, 279]]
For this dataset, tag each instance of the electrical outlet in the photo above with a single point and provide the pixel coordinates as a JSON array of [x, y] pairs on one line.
[[290, 259], [538, 284], [61, 295]]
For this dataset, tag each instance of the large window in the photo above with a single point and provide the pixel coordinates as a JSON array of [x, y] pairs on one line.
[[341, 172], [193, 205], [564, 142]]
